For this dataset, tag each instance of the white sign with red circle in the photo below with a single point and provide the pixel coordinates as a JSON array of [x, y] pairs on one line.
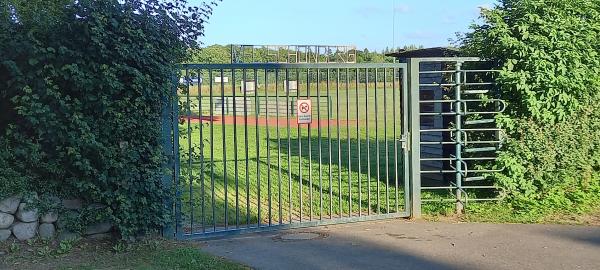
[[304, 111]]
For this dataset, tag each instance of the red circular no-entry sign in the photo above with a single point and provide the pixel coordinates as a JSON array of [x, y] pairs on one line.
[[304, 107], [304, 111]]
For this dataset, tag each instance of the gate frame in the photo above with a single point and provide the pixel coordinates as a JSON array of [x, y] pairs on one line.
[[459, 189], [410, 142], [414, 68]]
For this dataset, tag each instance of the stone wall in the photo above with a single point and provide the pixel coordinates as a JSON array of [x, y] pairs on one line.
[[21, 220]]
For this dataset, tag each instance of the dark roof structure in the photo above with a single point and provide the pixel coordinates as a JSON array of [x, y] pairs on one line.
[[427, 52]]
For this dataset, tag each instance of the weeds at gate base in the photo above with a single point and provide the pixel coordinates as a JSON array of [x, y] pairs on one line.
[[88, 254]]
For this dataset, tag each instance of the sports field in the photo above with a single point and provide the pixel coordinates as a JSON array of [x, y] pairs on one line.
[[237, 170]]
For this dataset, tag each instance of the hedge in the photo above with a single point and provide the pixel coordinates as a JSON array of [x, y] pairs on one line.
[[547, 51], [81, 91]]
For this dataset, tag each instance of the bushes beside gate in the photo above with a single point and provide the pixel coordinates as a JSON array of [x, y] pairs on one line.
[[81, 89], [548, 52]]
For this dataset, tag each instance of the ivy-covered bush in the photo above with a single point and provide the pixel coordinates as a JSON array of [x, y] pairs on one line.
[[82, 84], [549, 54]]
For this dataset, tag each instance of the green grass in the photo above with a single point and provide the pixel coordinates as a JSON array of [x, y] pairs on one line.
[[271, 178], [170, 258], [150, 254], [268, 162]]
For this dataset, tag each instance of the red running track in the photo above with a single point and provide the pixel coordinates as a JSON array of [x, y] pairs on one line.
[[262, 121]]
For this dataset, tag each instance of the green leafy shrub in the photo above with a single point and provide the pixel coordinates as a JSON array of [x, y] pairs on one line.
[[548, 53], [82, 84]]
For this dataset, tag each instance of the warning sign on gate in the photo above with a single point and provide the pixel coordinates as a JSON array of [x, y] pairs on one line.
[[304, 107]]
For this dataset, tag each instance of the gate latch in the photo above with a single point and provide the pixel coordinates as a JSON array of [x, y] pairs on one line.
[[404, 141]]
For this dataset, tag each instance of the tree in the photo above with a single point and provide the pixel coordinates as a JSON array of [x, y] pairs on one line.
[[215, 54], [547, 51]]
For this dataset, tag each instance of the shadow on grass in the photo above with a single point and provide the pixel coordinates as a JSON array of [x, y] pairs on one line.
[[241, 193], [381, 159]]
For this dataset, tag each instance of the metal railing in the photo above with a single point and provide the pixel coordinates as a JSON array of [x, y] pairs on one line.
[[389, 137], [243, 171], [457, 134]]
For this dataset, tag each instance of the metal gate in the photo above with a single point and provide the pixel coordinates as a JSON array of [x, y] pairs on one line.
[[238, 161], [243, 163], [454, 135]]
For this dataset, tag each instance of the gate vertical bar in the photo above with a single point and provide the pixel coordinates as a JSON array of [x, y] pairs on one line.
[[348, 142], [377, 173], [329, 113], [320, 145], [212, 150], [270, 203], [368, 138], [310, 189], [300, 182], [289, 142], [358, 142], [339, 141], [189, 141], [226, 215], [385, 141], [175, 128], [458, 146], [202, 159], [278, 146], [395, 109], [406, 135], [256, 112], [244, 78], [235, 152]]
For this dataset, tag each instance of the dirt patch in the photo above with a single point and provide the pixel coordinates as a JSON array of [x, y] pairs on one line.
[[446, 218], [299, 236], [588, 219]]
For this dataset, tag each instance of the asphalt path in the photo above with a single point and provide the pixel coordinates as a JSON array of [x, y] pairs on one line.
[[402, 244]]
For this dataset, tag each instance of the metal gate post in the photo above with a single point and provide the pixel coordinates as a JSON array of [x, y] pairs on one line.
[[459, 138], [169, 152], [414, 149]]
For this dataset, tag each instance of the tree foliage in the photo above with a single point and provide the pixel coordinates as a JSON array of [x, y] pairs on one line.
[[547, 51], [82, 85], [222, 54]]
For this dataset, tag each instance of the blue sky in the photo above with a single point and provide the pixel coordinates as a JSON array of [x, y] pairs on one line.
[[364, 23]]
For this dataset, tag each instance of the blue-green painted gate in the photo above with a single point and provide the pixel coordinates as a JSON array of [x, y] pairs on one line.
[[239, 162]]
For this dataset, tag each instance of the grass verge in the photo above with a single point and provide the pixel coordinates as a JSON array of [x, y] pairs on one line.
[[587, 214], [88, 254]]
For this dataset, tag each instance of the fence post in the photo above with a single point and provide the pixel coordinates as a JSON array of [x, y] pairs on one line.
[[168, 230], [414, 137], [459, 140]]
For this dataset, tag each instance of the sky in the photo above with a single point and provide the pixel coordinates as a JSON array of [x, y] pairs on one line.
[[372, 24]]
